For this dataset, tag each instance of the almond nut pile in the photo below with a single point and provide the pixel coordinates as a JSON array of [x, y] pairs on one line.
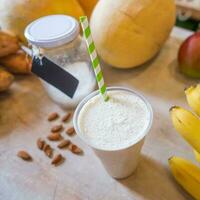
[[55, 136]]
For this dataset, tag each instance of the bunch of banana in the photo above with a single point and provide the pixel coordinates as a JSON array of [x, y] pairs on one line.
[[187, 174], [193, 98], [187, 124]]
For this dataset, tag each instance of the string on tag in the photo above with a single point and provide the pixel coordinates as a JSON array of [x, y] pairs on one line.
[[36, 52]]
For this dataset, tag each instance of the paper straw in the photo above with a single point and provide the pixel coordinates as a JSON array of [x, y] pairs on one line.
[[94, 57]]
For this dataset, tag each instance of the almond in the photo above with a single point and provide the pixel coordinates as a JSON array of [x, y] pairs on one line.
[[58, 159], [48, 150], [54, 136], [40, 143], [24, 155], [45, 147], [66, 117], [63, 144], [53, 116], [70, 131], [57, 128], [75, 149]]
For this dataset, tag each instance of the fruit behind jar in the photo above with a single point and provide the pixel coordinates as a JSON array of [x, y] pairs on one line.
[[12, 60], [189, 56]]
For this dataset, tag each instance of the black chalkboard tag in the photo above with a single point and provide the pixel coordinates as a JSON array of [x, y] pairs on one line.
[[55, 75]]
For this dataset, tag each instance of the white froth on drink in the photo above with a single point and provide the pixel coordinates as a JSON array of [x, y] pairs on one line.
[[115, 124]]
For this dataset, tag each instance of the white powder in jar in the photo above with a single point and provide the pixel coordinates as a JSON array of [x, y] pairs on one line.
[[83, 72]]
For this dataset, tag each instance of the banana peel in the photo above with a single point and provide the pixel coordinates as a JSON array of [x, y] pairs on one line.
[[193, 98], [187, 175], [188, 125]]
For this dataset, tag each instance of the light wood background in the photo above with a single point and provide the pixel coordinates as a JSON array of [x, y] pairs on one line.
[[23, 113]]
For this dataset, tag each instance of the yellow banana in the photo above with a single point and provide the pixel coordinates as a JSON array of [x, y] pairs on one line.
[[188, 125], [193, 98], [197, 155], [187, 175]]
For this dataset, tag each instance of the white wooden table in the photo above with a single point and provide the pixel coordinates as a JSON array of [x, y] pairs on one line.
[[23, 114]]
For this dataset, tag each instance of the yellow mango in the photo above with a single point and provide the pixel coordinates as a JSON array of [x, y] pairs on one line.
[[128, 33], [15, 15], [88, 6]]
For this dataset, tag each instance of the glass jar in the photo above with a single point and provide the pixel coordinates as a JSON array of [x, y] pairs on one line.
[[57, 38]]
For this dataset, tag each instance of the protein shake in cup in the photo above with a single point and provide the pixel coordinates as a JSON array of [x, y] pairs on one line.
[[113, 121], [114, 129]]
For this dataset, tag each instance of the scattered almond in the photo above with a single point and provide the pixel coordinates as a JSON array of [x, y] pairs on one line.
[[75, 149], [48, 150], [57, 128], [24, 155], [46, 146], [66, 117], [58, 159], [70, 131], [40, 143], [54, 136], [53, 116], [63, 144]]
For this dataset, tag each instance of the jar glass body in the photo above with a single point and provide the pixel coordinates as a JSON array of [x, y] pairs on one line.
[[72, 57]]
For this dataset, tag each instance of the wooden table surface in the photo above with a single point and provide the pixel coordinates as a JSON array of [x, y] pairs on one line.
[[23, 118]]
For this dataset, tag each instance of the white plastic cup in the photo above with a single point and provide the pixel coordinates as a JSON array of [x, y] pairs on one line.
[[122, 162]]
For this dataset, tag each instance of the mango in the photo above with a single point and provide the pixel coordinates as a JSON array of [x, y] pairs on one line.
[[88, 6], [189, 56], [128, 33], [15, 15]]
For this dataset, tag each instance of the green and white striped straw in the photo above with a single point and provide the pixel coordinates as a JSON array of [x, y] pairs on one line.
[[94, 57]]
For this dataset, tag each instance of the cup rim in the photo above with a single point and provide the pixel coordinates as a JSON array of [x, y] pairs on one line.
[[115, 88]]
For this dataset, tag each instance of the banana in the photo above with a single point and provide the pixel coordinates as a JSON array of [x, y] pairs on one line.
[[187, 175], [197, 155], [188, 125], [193, 98]]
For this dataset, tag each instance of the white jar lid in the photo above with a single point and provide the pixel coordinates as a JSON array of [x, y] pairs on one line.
[[52, 31]]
